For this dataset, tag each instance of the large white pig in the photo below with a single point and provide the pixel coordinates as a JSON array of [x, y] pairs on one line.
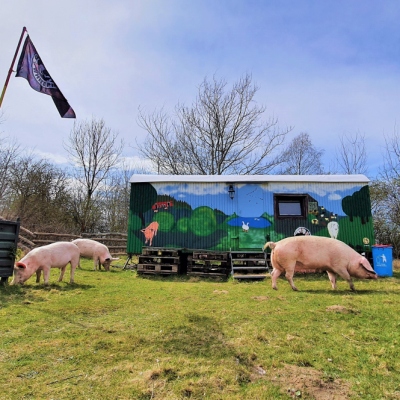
[[54, 255], [319, 254], [97, 251]]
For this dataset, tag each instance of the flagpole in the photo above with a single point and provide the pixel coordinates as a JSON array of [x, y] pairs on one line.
[[12, 65]]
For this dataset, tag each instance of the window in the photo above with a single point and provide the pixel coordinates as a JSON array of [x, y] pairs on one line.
[[290, 206]]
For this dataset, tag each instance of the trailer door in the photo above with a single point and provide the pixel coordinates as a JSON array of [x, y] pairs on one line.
[[252, 226]]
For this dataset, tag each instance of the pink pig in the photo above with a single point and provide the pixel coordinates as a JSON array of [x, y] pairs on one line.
[[319, 254], [55, 255], [97, 251]]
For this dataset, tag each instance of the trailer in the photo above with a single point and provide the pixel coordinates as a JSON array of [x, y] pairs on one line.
[[216, 225]]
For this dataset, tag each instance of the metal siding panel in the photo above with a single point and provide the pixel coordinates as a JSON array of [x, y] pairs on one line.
[[9, 233], [187, 223]]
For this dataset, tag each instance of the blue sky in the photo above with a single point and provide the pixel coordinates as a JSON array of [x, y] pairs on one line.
[[328, 68]]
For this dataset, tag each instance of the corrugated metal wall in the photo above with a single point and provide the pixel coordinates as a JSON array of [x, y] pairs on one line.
[[201, 215], [9, 232]]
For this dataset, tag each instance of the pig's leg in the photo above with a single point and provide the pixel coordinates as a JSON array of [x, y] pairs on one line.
[[289, 276], [274, 277], [38, 272], [332, 278], [95, 263], [73, 266], [46, 275], [62, 272], [346, 276]]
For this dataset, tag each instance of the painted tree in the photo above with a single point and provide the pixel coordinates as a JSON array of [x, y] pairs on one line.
[[358, 205], [142, 198]]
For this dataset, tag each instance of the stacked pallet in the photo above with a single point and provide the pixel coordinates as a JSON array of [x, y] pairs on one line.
[[249, 264], [158, 261], [208, 264]]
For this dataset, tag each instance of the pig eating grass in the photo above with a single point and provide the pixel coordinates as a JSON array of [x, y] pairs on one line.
[[319, 254], [54, 255], [97, 251]]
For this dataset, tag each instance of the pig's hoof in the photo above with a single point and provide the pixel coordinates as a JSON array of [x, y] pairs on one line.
[[275, 288], [295, 289]]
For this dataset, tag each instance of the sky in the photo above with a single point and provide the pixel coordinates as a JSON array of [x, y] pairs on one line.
[[328, 68]]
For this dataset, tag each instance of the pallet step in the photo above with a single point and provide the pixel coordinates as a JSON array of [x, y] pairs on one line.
[[249, 276], [157, 268], [206, 268], [247, 254], [249, 267], [159, 251], [208, 264], [210, 256], [158, 260], [208, 274]]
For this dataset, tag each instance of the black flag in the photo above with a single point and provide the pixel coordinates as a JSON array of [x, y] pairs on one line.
[[31, 67]]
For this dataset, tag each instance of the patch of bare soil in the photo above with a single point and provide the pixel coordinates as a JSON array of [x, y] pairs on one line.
[[260, 298], [341, 309], [220, 291], [308, 383]]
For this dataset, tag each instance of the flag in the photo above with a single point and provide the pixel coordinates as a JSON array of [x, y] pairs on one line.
[[31, 67]]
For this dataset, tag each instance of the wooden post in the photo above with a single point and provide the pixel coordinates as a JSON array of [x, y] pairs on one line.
[[12, 65]]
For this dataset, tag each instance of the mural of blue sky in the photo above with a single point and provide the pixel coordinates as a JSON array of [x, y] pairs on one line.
[[253, 200]]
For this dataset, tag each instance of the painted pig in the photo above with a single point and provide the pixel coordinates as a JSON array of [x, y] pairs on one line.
[[55, 255], [319, 254], [97, 251], [149, 232]]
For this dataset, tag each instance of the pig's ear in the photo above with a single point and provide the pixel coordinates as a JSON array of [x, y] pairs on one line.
[[368, 269], [20, 265], [366, 265]]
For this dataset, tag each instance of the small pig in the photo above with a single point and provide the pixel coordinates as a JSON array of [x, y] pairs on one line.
[[319, 254], [98, 251], [54, 255]]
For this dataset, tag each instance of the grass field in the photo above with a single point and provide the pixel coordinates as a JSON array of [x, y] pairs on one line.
[[115, 335]]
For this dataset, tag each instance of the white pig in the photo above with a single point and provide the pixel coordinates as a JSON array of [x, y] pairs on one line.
[[319, 254], [54, 255], [97, 251]]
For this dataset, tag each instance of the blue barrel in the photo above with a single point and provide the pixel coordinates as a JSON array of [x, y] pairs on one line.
[[382, 259]]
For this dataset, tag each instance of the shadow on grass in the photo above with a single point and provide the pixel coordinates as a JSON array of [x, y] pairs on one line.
[[14, 294], [340, 292], [199, 336], [181, 278]]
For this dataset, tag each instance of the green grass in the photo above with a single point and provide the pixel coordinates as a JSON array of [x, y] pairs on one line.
[[115, 335]]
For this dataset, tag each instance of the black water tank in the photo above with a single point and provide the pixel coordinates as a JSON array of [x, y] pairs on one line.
[[9, 232]]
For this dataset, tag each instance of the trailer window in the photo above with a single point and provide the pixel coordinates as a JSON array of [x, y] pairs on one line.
[[289, 206]]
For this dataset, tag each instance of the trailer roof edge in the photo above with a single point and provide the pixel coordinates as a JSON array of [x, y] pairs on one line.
[[140, 178]]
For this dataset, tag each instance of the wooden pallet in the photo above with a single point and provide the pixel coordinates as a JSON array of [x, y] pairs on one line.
[[157, 269], [208, 264], [159, 251], [158, 261], [249, 265]]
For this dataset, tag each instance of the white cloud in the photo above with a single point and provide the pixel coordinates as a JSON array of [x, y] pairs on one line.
[[320, 69]]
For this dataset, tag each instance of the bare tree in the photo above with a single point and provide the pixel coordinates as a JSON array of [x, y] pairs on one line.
[[385, 196], [221, 133], [8, 154], [94, 152], [301, 157], [39, 194], [116, 197], [351, 156]]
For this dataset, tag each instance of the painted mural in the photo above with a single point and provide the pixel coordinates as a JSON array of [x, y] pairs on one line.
[[208, 216]]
